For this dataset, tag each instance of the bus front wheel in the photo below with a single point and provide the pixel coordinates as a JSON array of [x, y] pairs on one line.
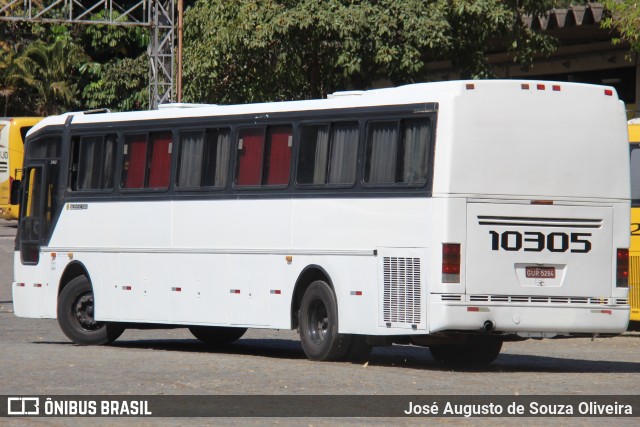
[[318, 324], [76, 315]]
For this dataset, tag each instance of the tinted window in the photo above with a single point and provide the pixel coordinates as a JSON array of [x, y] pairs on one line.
[[264, 156], [95, 162], [146, 160], [204, 158], [328, 154], [398, 152]]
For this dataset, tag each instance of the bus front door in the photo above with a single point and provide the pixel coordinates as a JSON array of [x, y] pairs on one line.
[[39, 206]]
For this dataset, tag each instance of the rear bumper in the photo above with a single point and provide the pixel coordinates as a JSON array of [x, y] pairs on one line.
[[546, 320]]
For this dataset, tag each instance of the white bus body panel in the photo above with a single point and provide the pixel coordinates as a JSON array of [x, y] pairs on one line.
[[216, 269]]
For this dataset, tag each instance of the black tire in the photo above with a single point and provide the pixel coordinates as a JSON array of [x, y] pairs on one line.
[[75, 315], [359, 350], [217, 335], [479, 351], [318, 324]]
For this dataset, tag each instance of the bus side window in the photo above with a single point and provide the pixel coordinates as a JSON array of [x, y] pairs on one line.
[[278, 161], [250, 152], [146, 160], [203, 159], [264, 156], [134, 161], [95, 163], [160, 160], [397, 152], [328, 154]]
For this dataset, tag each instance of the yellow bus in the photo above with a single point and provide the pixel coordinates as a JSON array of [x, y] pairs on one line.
[[12, 136], [634, 248]]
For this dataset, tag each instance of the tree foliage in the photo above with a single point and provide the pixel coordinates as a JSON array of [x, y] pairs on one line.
[[47, 69], [625, 19], [257, 50]]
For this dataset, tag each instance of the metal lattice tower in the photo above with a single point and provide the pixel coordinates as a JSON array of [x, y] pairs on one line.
[[158, 15]]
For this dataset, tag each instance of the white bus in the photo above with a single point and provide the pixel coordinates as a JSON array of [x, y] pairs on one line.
[[454, 215]]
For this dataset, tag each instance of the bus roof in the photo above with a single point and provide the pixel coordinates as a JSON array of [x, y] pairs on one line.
[[408, 94]]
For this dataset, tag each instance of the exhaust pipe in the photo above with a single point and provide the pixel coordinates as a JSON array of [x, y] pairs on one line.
[[488, 326]]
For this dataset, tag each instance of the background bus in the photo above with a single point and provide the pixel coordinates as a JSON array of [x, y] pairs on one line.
[[453, 215], [634, 248], [12, 137]]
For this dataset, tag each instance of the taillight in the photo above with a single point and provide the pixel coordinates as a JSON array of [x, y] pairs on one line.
[[622, 268], [451, 263]]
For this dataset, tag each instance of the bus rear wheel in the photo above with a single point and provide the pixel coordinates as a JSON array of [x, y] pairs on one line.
[[76, 315], [217, 335], [478, 351], [318, 324]]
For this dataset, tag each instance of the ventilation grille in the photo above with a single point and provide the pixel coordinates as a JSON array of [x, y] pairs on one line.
[[402, 294], [546, 299]]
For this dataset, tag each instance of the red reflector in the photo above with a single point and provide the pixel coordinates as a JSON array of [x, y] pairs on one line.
[[606, 311], [473, 308], [622, 268], [542, 202], [451, 263], [20, 285], [524, 86], [608, 92], [37, 285], [126, 288], [540, 86], [276, 291], [470, 86], [176, 289], [556, 88], [235, 291], [357, 293]]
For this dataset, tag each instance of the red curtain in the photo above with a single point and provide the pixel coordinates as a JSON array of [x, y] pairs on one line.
[[250, 157], [160, 167], [280, 156], [135, 163]]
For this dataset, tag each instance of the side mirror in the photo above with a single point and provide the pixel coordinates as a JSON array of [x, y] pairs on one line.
[[15, 192]]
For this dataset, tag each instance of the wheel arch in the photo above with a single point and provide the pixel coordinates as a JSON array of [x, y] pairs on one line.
[[307, 276], [72, 270]]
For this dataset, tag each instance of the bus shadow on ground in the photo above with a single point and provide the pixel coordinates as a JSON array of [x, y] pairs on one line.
[[397, 356]]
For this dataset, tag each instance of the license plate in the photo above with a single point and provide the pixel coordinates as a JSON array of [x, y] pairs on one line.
[[540, 272]]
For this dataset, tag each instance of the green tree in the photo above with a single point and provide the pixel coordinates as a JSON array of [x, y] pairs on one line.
[[624, 17], [255, 50], [49, 71], [121, 85], [117, 74]]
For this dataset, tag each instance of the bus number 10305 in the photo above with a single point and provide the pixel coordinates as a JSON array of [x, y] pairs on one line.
[[534, 241]]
